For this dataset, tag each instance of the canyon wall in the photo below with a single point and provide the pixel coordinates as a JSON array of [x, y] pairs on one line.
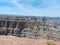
[[31, 27]]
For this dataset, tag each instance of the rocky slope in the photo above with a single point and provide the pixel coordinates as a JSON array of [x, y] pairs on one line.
[[31, 27], [11, 40]]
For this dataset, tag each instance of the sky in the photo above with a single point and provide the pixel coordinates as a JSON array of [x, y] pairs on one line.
[[30, 7]]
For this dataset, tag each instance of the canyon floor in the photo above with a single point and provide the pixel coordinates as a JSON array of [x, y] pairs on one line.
[[12, 40]]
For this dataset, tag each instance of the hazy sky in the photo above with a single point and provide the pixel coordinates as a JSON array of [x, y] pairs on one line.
[[30, 7]]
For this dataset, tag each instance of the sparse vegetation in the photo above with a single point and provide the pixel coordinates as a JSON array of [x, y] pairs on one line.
[[51, 43]]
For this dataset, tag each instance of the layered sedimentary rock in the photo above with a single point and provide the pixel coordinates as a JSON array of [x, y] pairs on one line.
[[30, 27]]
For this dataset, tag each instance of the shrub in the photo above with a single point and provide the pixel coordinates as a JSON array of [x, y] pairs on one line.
[[51, 43]]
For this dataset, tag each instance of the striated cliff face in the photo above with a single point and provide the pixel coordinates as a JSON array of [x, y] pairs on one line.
[[30, 27]]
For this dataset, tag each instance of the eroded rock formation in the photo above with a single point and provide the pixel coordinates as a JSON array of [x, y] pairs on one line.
[[30, 27]]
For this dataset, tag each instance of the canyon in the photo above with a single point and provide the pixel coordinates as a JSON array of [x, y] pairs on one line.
[[32, 27]]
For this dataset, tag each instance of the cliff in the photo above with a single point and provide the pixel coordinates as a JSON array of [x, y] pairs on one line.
[[31, 27]]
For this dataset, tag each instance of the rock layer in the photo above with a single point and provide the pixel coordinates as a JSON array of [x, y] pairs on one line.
[[12, 40], [31, 27]]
